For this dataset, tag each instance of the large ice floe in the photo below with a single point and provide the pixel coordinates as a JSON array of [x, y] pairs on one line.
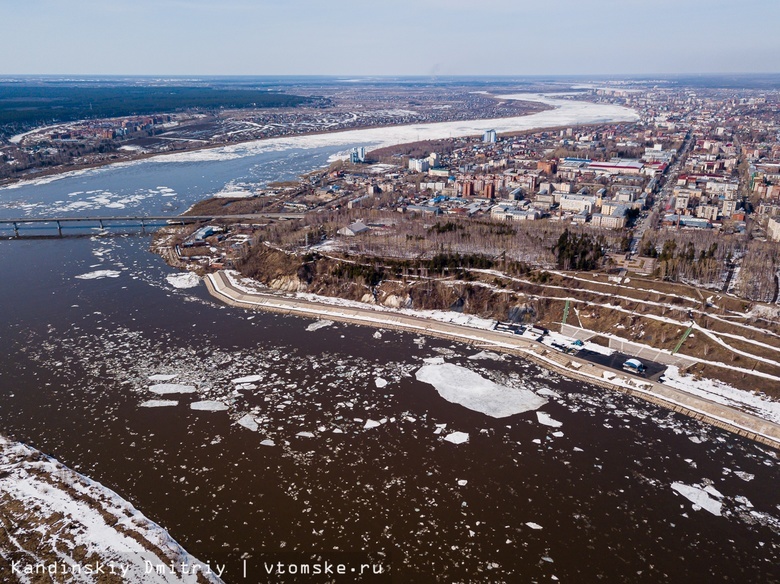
[[701, 497], [462, 386], [184, 280], [99, 275], [168, 388]]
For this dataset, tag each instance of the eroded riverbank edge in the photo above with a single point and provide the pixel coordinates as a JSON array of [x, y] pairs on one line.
[[724, 417], [62, 525]]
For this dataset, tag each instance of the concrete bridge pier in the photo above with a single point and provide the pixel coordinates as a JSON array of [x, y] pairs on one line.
[[16, 230], [59, 228]]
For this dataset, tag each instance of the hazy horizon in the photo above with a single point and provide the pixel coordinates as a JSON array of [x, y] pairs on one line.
[[454, 38]]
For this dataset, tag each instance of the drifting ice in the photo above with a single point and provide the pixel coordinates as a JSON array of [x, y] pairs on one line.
[[462, 386]]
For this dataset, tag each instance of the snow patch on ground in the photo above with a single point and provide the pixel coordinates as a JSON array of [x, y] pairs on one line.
[[315, 326], [723, 393], [464, 387], [38, 492]]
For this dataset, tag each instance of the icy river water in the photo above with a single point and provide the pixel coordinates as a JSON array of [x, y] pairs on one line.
[[340, 448]]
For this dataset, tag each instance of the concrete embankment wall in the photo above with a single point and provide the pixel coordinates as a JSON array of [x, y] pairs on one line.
[[721, 416]]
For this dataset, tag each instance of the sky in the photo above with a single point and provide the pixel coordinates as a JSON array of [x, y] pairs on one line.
[[384, 37]]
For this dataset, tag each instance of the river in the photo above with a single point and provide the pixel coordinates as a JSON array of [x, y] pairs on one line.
[[349, 453]]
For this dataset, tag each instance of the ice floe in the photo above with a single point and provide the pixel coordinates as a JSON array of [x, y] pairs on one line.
[[545, 419], [457, 437], [159, 403], [700, 497], [99, 275], [315, 326], [248, 422], [208, 405], [462, 386], [490, 355], [183, 280], [166, 388], [247, 379]]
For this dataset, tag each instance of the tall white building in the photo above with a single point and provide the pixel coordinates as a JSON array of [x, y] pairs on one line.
[[490, 137], [577, 203], [418, 164], [773, 229]]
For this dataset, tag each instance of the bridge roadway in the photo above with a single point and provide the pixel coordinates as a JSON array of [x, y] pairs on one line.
[[144, 219], [726, 417]]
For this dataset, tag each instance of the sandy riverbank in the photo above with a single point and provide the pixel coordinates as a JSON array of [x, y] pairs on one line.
[[728, 418]]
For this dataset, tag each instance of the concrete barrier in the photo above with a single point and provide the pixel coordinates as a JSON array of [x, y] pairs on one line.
[[576, 332], [644, 352]]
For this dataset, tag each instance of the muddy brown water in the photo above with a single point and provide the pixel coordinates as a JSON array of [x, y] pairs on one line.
[[78, 354]]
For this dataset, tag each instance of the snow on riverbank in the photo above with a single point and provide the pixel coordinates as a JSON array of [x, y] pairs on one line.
[[722, 393], [50, 509], [565, 112], [464, 387], [249, 286]]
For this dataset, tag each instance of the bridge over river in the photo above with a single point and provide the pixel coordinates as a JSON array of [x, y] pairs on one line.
[[142, 220]]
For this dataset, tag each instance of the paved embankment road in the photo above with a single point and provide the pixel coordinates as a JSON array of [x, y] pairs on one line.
[[726, 417]]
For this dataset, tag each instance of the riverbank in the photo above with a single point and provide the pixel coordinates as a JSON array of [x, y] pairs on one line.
[[556, 113], [728, 418], [46, 508], [132, 156]]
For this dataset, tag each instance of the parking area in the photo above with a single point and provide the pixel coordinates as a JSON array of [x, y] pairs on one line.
[[616, 360]]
